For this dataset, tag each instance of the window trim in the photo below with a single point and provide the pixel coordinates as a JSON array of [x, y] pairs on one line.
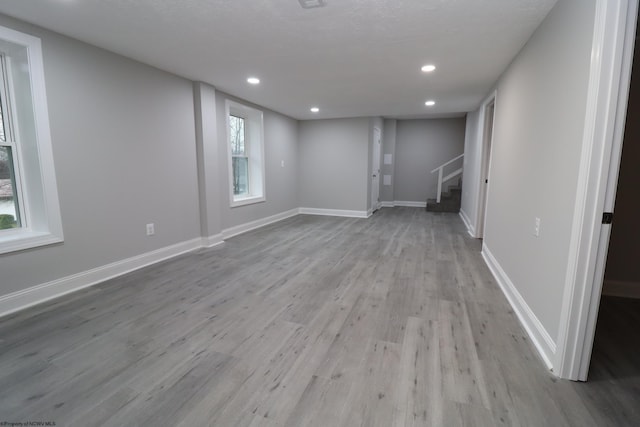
[[254, 149], [45, 227]]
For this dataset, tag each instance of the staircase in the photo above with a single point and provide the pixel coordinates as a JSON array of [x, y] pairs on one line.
[[449, 200]]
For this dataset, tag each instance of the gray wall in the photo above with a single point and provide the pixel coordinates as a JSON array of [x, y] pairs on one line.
[[388, 147], [374, 122], [125, 154], [334, 164], [421, 146], [624, 246], [539, 122], [280, 143]]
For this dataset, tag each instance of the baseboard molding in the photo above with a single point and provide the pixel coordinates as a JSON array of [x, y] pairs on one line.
[[386, 204], [248, 226], [334, 212], [467, 223], [370, 212], [620, 288], [538, 334], [211, 241], [25, 298], [409, 204]]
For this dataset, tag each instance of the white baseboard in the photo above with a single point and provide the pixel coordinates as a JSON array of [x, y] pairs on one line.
[[211, 241], [25, 298], [409, 204], [536, 331], [370, 212], [248, 226], [386, 204], [467, 223], [333, 212], [619, 288]]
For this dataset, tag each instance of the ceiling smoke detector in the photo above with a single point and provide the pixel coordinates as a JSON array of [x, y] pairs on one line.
[[310, 4]]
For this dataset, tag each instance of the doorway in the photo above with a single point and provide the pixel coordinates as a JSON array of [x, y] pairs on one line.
[[487, 136], [375, 171]]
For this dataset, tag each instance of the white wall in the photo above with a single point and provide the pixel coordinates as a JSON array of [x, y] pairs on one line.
[[124, 148], [421, 146], [539, 122], [334, 164]]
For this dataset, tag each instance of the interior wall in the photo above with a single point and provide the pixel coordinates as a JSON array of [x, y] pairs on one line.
[[421, 146], [280, 145], [374, 122], [622, 273], [125, 154], [537, 142], [389, 148], [334, 164], [471, 170]]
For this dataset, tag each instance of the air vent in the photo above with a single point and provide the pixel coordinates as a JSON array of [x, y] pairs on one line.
[[310, 4]]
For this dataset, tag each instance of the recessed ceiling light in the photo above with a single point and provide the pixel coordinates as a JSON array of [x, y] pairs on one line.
[[315, 109], [430, 103], [428, 68], [253, 80]]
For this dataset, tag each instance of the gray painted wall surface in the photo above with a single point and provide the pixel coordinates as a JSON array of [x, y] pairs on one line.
[[624, 246], [471, 168], [334, 164], [539, 122], [374, 122], [204, 97], [280, 143], [388, 147], [421, 146], [125, 155]]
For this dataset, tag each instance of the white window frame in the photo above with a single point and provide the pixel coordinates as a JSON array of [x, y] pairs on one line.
[[254, 149], [36, 188]]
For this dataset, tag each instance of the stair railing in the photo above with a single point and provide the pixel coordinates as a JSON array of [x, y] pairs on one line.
[[442, 179]]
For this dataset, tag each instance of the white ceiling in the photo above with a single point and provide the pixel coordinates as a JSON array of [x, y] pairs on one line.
[[350, 58]]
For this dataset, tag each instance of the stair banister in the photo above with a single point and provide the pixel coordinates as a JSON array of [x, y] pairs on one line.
[[442, 179]]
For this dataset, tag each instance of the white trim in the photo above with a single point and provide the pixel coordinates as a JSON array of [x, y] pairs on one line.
[[484, 163], [467, 223], [370, 212], [604, 120], [25, 298], [254, 142], [620, 288], [536, 331], [252, 225], [333, 212], [410, 204], [387, 204], [211, 241]]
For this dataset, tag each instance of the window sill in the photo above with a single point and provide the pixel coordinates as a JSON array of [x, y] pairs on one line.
[[249, 200], [26, 239]]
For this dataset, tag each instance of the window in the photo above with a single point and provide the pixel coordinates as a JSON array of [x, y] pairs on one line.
[[29, 210], [246, 154]]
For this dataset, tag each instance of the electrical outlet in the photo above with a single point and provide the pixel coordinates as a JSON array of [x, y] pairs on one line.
[[151, 229], [536, 229], [282, 163]]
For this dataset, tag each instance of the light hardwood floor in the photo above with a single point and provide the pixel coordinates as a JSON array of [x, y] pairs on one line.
[[313, 321]]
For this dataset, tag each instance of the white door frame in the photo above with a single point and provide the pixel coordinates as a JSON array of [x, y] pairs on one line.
[[375, 169], [486, 133], [610, 71]]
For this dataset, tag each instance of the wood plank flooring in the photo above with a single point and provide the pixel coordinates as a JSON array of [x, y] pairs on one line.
[[313, 321]]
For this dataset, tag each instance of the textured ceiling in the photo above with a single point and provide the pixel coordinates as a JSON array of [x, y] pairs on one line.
[[350, 57]]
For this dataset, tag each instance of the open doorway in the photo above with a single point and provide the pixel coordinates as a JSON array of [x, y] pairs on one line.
[[617, 339], [487, 136]]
